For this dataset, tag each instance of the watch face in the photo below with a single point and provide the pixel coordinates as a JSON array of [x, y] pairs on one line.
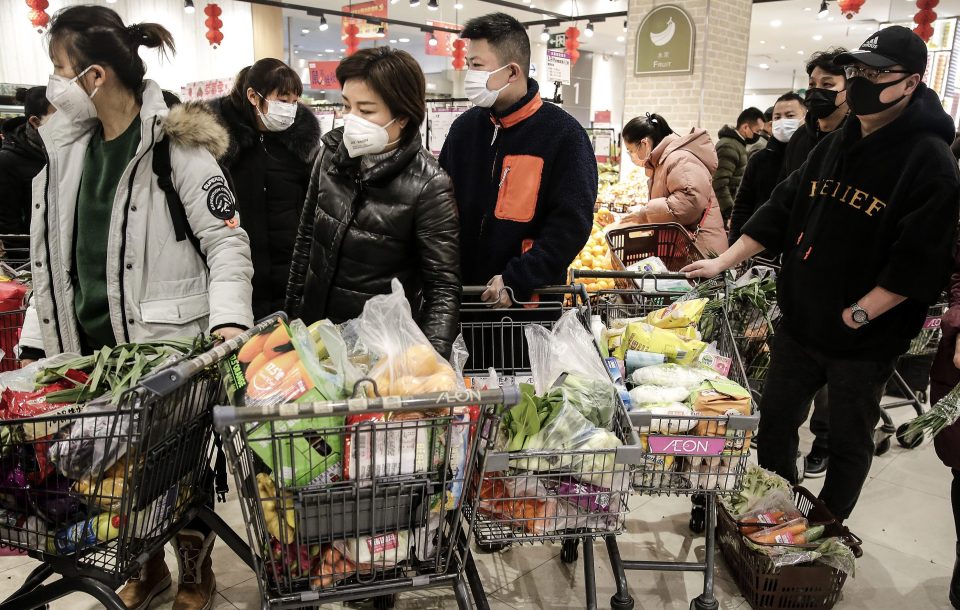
[[860, 316]]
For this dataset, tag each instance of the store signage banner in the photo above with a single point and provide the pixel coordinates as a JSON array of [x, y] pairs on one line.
[[206, 89], [665, 42], [323, 75], [445, 40], [376, 8], [558, 67]]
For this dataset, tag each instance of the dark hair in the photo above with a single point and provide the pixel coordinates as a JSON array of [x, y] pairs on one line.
[[396, 77], [824, 61], [35, 102], [505, 35], [265, 77], [790, 96], [768, 114], [96, 35], [750, 115], [652, 126]]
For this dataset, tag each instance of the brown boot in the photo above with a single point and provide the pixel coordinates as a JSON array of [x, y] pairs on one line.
[[197, 584], [150, 581]]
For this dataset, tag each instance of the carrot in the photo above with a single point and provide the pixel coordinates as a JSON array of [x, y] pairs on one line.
[[762, 520], [255, 365], [252, 348], [770, 535], [277, 340]]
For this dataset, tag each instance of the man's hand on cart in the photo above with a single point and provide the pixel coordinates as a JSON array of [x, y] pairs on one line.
[[706, 268], [744, 248], [496, 294], [228, 332]]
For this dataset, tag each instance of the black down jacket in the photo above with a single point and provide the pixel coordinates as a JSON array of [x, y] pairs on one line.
[[270, 173], [21, 159], [363, 227]]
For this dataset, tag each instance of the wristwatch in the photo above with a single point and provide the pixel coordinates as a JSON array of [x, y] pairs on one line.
[[859, 315]]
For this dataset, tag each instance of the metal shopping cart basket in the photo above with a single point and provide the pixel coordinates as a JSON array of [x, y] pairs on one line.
[[15, 251], [706, 462], [670, 242], [530, 496], [146, 456], [380, 500], [11, 323]]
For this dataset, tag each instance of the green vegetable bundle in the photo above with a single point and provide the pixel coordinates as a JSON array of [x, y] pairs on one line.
[[112, 370]]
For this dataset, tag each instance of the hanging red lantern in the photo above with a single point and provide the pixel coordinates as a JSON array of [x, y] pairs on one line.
[[924, 18], [213, 23], [351, 41], [38, 16], [573, 43], [849, 8], [459, 54]]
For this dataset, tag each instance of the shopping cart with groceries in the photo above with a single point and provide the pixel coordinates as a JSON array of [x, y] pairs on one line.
[[701, 450], [567, 480], [93, 489]]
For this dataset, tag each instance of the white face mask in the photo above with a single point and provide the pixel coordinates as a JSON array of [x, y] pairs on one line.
[[280, 115], [783, 129], [475, 87], [362, 137], [68, 97]]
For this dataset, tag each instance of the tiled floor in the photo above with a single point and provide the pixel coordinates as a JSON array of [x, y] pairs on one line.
[[903, 516]]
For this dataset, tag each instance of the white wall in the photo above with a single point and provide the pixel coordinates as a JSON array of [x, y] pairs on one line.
[[608, 87], [24, 57]]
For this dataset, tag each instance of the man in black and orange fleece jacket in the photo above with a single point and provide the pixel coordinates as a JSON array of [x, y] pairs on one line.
[[524, 171]]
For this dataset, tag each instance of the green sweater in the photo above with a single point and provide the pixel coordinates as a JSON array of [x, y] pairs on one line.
[[103, 167]]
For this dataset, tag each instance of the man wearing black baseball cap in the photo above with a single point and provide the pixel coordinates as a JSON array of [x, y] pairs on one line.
[[866, 227]]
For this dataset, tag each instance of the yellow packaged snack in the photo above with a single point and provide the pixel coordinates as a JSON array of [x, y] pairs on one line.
[[687, 332], [678, 314], [719, 397], [643, 337]]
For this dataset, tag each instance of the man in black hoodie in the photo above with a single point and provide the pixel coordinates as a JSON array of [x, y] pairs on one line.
[[866, 228]]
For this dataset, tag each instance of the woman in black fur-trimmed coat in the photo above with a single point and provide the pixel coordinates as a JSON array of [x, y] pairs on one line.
[[270, 171]]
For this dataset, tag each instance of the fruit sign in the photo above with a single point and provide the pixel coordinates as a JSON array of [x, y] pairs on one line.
[[665, 43]]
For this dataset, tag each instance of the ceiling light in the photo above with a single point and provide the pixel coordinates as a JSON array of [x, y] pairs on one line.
[[458, 5], [433, 5], [545, 35], [329, 51], [783, 48], [296, 52], [305, 31], [394, 1], [807, 9], [589, 30], [764, 66], [621, 38], [188, 7], [799, 52], [824, 10], [818, 37], [393, 41], [343, 50], [763, 42], [433, 41], [414, 3], [776, 23], [324, 26], [403, 39]]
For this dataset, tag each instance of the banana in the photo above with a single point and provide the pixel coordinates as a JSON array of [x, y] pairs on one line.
[[661, 38]]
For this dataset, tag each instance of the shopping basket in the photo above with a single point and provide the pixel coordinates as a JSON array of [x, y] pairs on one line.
[[701, 465], [145, 462], [670, 242], [387, 515], [541, 485]]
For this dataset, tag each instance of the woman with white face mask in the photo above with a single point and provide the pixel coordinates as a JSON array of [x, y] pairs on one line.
[[273, 144], [379, 206]]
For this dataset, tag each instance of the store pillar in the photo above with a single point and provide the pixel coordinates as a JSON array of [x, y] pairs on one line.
[[710, 94], [267, 31]]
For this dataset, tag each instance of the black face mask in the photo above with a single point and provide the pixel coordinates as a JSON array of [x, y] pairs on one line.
[[821, 103], [863, 96], [753, 139]]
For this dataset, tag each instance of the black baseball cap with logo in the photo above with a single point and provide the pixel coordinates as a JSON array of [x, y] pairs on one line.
[[895, 45]]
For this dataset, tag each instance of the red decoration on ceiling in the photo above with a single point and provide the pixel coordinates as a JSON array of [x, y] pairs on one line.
[[924, 18], [213, 23], [38, 15], [849, 8], [352, 41], [573, 43], [459, 54]]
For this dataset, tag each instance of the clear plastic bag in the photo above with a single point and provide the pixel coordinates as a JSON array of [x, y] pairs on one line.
[[96, 441], [406, 363]]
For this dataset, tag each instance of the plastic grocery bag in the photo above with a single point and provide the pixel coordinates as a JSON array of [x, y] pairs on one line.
[[406, 363], [674, 375], [96, 441], [654, 265], [568, 356]]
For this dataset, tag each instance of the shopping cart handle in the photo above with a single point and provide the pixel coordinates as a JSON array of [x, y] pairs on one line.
[[743, 422], [226, 416], [627, 275], [169, 379], [577, 290]]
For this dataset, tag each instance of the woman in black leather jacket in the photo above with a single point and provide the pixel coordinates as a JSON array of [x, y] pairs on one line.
[[378, 206]]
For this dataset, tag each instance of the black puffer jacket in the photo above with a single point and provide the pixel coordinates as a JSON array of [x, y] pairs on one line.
[[363, 227], [270, 172], [21, 159]]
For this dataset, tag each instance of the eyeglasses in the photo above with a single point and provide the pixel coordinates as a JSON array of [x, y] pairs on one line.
[[871, 74]]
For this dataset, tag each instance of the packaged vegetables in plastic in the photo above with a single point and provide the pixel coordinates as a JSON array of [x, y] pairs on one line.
[[647, 394], [681, 314], [674, 375]]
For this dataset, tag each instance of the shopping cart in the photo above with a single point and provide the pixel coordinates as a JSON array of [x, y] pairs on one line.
[[670, 242], [705, 464], [525, 495], [11, 322], [15, 251], [381, 499], [143, 464]]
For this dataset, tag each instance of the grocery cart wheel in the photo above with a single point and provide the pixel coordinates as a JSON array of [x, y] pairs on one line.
[[616, 604], [384, 602], [568, 552], [909, 441], [492, 547], [882, 447], [698, 514], [702, 604]]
